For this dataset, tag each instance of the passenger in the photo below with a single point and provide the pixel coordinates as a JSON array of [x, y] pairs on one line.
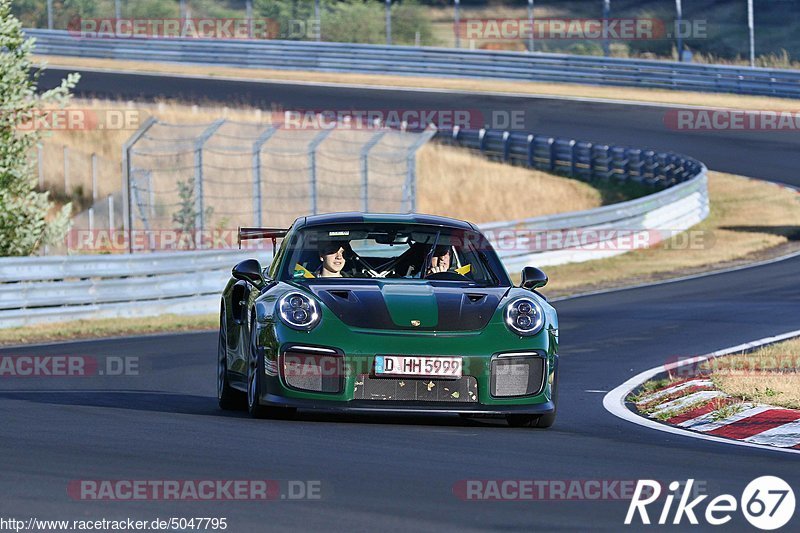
[[331, 253]]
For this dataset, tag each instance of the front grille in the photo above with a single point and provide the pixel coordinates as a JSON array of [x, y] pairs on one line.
[[517, 375], [464, 389], [313, 372]]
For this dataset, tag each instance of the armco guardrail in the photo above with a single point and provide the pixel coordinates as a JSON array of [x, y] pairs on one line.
[[376, 59], [52, 289], [680, 203]]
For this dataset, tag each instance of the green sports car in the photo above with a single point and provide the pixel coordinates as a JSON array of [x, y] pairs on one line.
[[386, 313]]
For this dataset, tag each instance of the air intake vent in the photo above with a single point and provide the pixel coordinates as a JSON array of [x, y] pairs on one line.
[[343, 294], [313, 372], [517, 376], [475, 298]]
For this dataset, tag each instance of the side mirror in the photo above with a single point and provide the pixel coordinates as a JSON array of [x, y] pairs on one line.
[[249, 270], [533, 278]]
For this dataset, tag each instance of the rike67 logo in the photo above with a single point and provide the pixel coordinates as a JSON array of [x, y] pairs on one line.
[[767, 503]]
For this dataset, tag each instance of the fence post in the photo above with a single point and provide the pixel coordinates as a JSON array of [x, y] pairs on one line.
[[457, 22], [257, 145], [606, 16], [199, 200], [388, 21], [94, 177], [364, 156], [248, 6], [312, 164], [66, 171], [410, 192], [40, 159], [127, 151], [531, 45], [151, 195], [318, 20], [111, 219]]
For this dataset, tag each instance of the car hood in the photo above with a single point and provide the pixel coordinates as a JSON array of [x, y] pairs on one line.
[[431, 306]]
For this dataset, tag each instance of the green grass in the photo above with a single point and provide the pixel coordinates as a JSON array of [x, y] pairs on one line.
[[726, 411], [666, 415], [648, 388]]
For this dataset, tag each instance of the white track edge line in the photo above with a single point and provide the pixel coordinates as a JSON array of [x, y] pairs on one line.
[[614, 401]]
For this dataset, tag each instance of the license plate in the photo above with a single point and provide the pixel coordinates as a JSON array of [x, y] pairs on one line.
[[405, 365]]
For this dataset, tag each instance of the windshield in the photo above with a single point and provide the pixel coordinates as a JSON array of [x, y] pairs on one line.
[[404, 251]]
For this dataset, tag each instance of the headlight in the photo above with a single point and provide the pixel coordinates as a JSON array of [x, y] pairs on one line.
[[298, 311], [524, 316]]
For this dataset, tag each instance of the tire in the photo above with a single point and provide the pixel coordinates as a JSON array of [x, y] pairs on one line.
[[228, 397], [254, 371]]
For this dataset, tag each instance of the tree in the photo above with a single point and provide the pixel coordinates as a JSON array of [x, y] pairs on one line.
[[26, 221], [185, 218]]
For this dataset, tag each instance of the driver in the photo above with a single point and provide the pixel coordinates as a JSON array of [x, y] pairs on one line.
[[331, 253], [440, 260]]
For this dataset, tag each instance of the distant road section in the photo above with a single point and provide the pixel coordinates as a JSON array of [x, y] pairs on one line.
[[772, 155]]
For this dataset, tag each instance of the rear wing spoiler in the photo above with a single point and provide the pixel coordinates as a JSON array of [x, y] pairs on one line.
[[246, 234]]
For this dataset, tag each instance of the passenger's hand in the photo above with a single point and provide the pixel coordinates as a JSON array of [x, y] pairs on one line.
[[436, 269]]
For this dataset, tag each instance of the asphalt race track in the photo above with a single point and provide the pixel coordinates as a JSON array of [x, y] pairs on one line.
[[758, 154], [398, 473]]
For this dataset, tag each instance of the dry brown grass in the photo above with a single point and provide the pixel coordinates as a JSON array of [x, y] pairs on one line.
[[747, 216], [769, 375], [532, 88], [107, 144], [456, 183], [451, 180], [106, 327]]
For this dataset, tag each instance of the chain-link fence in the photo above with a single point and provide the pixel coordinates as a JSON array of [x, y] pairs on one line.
[[89, 181], [205, 177]]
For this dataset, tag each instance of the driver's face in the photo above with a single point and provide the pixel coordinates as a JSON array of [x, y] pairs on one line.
[[441, 262]]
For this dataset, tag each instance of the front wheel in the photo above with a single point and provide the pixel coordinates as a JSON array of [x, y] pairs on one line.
[[228, 397], [254, 371], [254, 406]]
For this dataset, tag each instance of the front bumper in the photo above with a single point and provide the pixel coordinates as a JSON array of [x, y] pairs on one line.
[[382, 406], [346, 390], [474, 399]]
